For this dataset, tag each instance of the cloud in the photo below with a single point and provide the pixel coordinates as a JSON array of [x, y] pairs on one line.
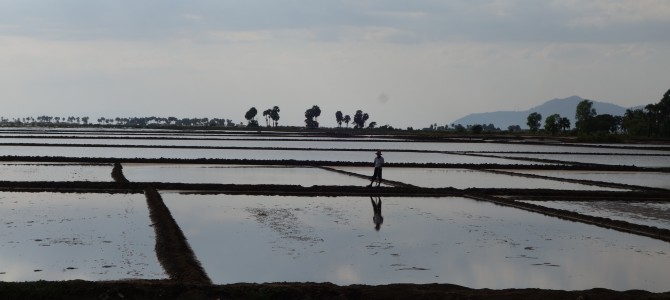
[[602, 13], [420, 21], [439, 60]]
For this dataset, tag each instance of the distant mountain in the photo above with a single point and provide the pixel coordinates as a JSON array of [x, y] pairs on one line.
[[564, 107]]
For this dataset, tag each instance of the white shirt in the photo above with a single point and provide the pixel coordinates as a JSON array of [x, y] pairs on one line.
[[379, 161]]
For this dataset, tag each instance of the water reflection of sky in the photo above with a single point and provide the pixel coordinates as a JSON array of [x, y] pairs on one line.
[[355, 156], [422, 240], [54, 172], [655, 214], [231, 174], [326, 143], [463, 178], [55, 236], [622, 160], [649, 179]]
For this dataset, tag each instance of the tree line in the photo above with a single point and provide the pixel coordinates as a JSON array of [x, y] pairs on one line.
[[312, 115], [652, 121], [119, 121]]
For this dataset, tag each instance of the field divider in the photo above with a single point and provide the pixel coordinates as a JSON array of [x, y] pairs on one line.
[[579, 181], [292, 162], [172, 248], [385, 181], [623, 226]]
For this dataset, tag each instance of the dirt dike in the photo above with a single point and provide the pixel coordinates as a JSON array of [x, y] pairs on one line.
[[172, 249], [301, 163], [143, 289]]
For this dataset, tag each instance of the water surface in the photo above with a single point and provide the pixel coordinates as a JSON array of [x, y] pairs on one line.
[[236, 174], [56, 236], [421, 240], [465, 178]]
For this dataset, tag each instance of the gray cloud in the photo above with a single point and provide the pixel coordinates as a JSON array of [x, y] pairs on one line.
[[418, 20], [213, 56]]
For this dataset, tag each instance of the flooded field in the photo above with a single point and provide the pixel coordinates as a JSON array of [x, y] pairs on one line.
[[463, 179], [232, 174], [274, 207], [56, 236], [650, 179], [421, 240], [645, 213], [23, 171]]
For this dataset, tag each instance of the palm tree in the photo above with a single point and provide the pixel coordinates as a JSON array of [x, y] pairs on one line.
[[339, 118], [274, 114], [347, 119], [266, 114]]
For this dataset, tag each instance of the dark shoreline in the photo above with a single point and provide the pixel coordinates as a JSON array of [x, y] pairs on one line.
[[167, 289]]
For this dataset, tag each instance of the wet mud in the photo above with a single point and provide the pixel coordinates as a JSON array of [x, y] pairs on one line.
[[156, 289], [172, 249]]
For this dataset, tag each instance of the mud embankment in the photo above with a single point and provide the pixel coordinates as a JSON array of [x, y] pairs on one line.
[[117, 174], [79, 289], [172, 249], [644, 230], [566, 166]]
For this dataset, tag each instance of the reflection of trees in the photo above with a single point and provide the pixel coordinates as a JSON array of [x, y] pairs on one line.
[[377, 208]]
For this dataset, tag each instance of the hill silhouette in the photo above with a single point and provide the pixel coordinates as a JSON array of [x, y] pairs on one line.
[[564, 107]]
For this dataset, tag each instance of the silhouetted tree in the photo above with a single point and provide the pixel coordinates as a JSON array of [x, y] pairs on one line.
[[250, 115], [477, 128], [311, 115], [514, 128], [339, 118], [584, 115], [552, 124], [266, 114], [533, 121], [604, 124], [347, 119], [564, 124], [274, 115], [360, 118]]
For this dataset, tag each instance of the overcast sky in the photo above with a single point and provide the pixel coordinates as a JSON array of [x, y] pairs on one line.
[[406, 63]]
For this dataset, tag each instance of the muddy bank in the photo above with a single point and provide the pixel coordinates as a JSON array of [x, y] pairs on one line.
[[117, 174], [289, 162], [318, 190], [172, 249], [78, 289], [644, 230]]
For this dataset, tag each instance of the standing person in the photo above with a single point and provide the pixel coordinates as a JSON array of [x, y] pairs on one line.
[[379, 163]]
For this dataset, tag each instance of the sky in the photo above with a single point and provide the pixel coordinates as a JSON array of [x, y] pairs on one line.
[[405, 63]]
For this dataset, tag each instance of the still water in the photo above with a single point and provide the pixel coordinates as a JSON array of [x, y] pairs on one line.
[[236, 174], [464, 178], [655, 214], [56, 236], [18, 171], [421, 240], [318, 155], [648, 179], [323, 143]]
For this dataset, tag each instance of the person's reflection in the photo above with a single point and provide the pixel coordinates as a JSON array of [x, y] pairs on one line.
[[377, 208]]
